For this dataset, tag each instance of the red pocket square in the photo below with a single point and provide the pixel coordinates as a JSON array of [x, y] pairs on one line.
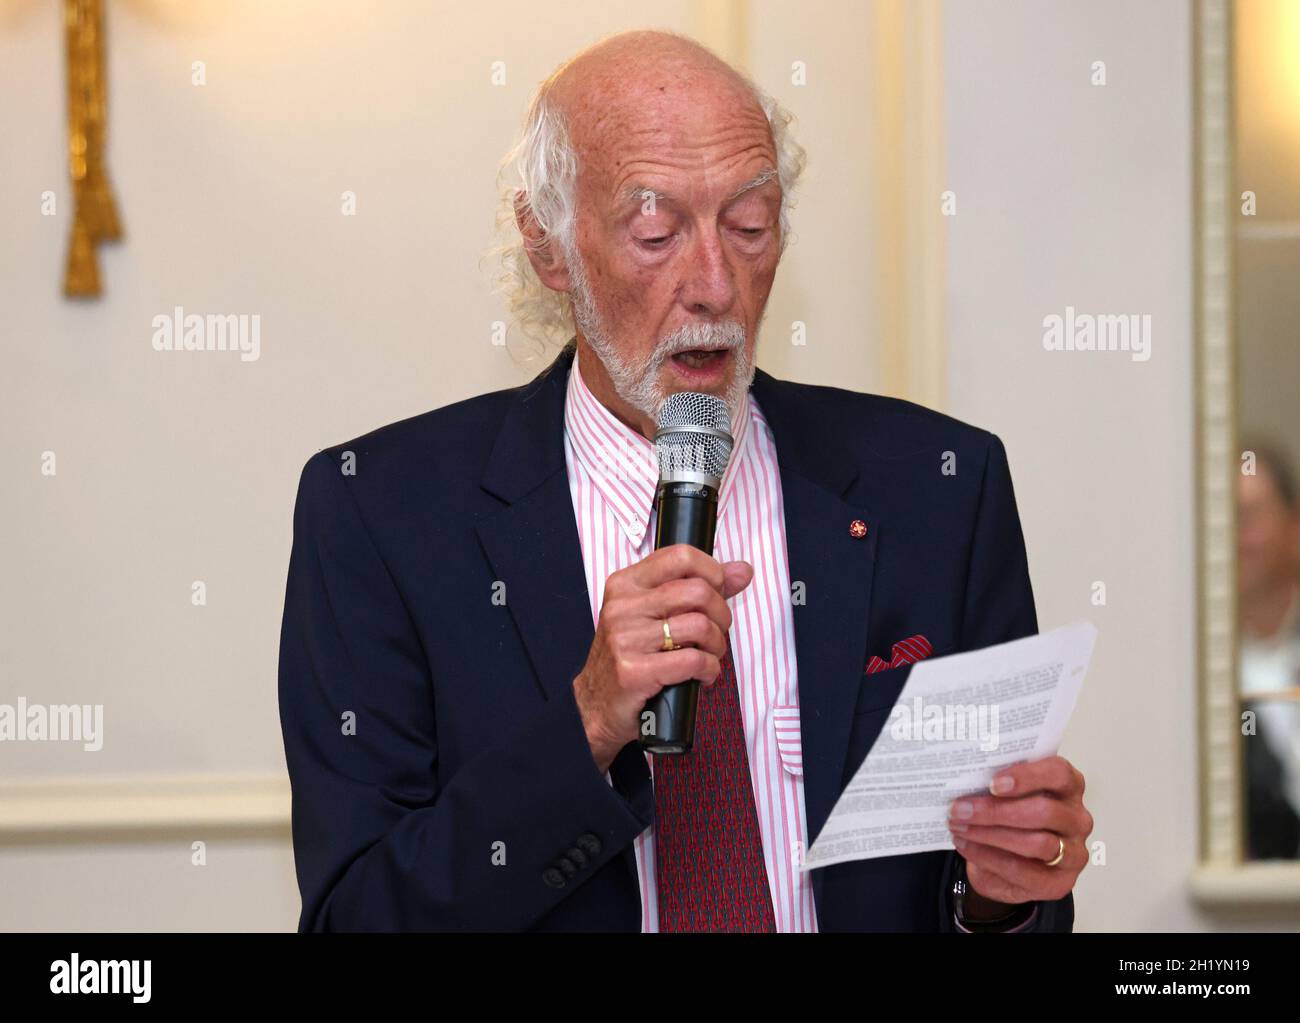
[[905, 651]]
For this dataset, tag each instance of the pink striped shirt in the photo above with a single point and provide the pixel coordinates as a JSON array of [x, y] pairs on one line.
[[612, 477]]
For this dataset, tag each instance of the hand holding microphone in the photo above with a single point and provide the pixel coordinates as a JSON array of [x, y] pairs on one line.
[[627, 665]]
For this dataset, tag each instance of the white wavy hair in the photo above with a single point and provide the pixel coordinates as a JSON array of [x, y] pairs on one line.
[[538, 177]]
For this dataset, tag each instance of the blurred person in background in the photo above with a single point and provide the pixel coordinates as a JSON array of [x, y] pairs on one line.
[[1268, 560]]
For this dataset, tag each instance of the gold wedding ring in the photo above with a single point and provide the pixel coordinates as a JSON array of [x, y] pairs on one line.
[[668, 638], [1060, 855]]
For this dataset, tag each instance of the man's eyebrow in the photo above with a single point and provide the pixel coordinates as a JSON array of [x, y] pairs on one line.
[[762, 178], [640, 193]]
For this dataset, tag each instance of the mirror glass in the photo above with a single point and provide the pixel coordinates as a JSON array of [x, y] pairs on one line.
[[1266, 169]]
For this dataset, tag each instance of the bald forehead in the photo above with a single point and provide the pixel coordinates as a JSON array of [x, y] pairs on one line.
[[647, 95], [639, 64]]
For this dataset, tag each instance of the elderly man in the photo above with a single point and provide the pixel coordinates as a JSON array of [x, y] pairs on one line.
[[476, 616]]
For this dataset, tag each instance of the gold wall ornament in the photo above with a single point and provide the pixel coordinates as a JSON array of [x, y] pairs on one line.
[[95, 218]]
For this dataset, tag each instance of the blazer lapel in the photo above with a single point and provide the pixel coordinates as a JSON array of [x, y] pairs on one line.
[[835, 568], [532, 543], [533, 547]]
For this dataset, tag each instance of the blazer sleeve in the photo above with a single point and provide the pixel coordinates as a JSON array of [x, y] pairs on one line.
[[381, 841], [998, 606]]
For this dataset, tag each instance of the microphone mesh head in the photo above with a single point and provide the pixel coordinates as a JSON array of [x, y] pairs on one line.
[[683, 442]]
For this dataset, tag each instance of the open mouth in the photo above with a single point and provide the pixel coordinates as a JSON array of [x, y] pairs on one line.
[[701, 358]]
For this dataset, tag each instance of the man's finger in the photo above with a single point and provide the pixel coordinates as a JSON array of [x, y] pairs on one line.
[[1050, 774], [1037, 813], [677, 561], [682, 596], [1033, 845], [1031, 875], [737, 575], [992, 885]]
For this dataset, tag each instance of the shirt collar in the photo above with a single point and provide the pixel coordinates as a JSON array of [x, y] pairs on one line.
[[622, 463]]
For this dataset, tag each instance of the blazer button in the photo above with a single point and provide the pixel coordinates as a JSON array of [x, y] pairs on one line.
[[577, 857], [589, 844], [553, 878], [567, 865]]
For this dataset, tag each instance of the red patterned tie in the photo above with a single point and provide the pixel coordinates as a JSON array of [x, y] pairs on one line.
[[708, 849]]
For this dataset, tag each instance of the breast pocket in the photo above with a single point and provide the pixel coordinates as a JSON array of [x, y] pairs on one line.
[[877, 693], [880, 689], [788, 742]]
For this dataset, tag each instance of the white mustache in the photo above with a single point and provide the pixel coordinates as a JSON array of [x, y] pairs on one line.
[[720, 337]]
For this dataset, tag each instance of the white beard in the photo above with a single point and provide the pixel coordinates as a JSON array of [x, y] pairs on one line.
[[637, 383]]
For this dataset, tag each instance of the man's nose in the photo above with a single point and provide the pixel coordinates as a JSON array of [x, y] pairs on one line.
[[710, 286]]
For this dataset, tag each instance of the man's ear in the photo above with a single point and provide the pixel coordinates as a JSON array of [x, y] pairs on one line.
[[543, 252]]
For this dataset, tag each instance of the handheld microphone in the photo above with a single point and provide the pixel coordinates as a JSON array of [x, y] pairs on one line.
[[693, 444]]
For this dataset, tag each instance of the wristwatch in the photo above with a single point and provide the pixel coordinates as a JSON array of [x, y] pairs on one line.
[[1014, 917]]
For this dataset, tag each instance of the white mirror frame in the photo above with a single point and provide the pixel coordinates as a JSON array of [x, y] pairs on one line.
[[1223, 878]]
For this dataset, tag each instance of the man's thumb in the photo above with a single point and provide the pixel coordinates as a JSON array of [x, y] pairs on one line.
[[736, 575]]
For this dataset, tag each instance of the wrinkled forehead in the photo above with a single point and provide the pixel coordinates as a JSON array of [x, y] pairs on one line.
[[690, 130]]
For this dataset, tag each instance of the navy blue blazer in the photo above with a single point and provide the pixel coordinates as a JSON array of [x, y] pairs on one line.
[[437, 613]]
